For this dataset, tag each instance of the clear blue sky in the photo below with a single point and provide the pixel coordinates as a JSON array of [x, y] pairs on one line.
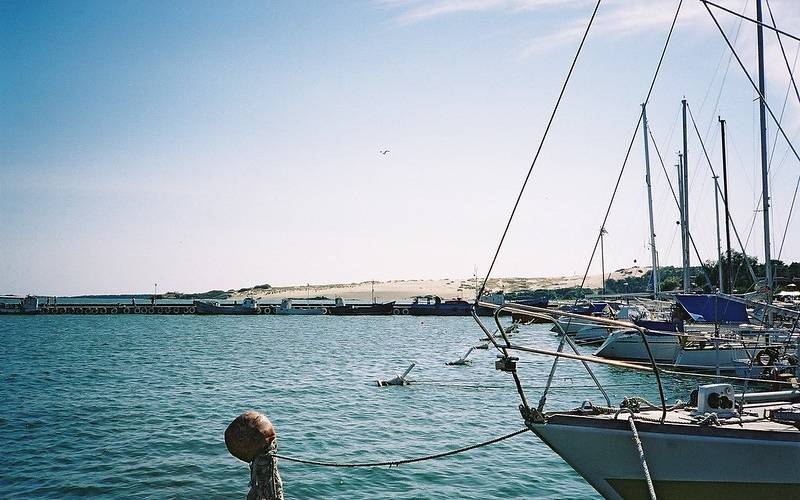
[[215, 145]]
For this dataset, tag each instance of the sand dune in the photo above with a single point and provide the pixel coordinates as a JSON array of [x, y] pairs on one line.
[[446, 288]]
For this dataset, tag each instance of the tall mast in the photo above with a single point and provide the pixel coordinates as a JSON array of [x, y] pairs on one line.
[[685, 175], [719, 240], [682, 222], [654, 271], [764, 164], [727, 210], [603, 232]]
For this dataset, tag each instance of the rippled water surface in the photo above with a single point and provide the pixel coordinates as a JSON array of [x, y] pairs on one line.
[[136, 406]]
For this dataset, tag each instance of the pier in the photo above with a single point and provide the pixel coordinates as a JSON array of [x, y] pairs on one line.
[[32, 306]]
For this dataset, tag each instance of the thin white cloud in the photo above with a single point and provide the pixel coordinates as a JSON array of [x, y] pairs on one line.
[[413, 11], [618, 19], [622, 18]]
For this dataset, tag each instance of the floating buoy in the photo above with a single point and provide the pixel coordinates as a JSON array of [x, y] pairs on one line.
[[249, 435]]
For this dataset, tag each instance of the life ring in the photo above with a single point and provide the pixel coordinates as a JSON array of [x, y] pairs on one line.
[[396, 311], [405, 311], [766, 357]]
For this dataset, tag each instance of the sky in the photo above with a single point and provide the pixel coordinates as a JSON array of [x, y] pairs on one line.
[[214, 145]]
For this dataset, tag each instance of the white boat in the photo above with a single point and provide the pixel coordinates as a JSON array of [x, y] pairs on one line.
[[571, 326], [720, 445], [596, 333], [592, 334], [627, 345], [287, 309], [714, 354], [697, 452]]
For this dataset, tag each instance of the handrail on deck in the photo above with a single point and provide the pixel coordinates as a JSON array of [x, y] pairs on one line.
[[550, 315]]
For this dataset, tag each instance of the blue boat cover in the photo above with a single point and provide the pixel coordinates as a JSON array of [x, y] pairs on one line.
[[713, 309], [660, 326]]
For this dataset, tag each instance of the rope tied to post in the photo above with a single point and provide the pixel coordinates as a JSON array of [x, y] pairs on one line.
[[251, 438], [265, 480], [397, 463]]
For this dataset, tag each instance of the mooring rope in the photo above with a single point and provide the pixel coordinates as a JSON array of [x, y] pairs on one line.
[[396, 463], [650, 488]]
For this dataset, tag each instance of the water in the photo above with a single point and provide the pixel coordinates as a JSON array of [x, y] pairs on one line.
[[136, 406]]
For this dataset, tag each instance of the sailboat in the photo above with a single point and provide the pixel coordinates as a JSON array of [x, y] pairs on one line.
[[721, 444]]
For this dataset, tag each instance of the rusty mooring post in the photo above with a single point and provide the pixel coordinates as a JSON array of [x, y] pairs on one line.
[[251, 438]]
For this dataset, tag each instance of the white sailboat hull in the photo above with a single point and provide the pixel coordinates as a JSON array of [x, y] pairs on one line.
[[627, 345], [685, 462], [592, 334], [724, 358]]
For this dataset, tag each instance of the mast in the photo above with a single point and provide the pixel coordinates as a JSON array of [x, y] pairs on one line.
[[719, 240], [682, 220], [603, 232], [764, 162], [727, 210], [654, 270], [685, 175]]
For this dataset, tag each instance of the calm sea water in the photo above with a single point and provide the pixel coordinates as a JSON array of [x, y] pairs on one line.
[[136, 406]]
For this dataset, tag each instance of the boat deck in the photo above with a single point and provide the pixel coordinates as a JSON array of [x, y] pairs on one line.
[[754, 417]]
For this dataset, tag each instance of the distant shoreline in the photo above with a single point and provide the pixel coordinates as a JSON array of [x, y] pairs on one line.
[[382, 290]]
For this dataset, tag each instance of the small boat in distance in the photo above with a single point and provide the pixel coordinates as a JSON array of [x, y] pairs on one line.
[[248, 306], [27, 305], [374, 309], [286, 309], [433, 305]]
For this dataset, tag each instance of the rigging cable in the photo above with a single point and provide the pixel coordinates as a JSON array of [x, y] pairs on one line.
[[719, 190], [674, 197], [608, 211], [706, 3], [630, 145], [749, 78], [747, 73], [797, 93], [538, 150], [783, 52]]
